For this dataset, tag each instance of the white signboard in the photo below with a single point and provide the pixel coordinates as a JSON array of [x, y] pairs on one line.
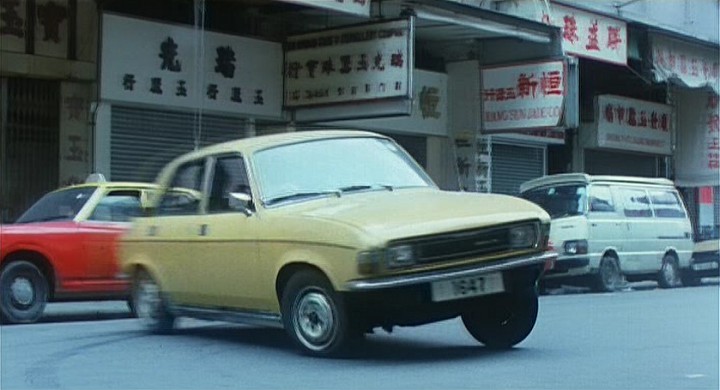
[[366, 62], [429, 109], [521, 97], [176, 66], [544, 136], [355, 7], [698, 148], [634, 125], [584, 34], [693, 66]]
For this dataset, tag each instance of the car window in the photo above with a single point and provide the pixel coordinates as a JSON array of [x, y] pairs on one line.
[[559, 201], [601, 199], [118, 206], [636, 203], [60, 205], [229, 175], [666, 204], [185, 192]]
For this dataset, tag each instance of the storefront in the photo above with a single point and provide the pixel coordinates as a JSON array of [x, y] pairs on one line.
[[47, 76], [184, 88], [691, 72]]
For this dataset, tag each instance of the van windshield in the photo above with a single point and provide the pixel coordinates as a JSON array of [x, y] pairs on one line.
[[559, 201]]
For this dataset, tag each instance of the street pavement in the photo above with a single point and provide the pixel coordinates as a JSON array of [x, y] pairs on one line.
[[641, 338]]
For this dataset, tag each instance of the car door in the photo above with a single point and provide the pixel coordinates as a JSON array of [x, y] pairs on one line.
[[226, 232], [640, 243]]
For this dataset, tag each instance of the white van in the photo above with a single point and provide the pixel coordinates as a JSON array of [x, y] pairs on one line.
[[605, 228]]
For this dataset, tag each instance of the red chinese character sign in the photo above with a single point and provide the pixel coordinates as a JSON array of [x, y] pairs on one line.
[[522, 97], [691, 65], [633, 125], [360, 63], [698, 141]]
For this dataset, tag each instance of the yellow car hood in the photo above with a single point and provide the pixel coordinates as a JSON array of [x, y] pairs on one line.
[[415, 212]]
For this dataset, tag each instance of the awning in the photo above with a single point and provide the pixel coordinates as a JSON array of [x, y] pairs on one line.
[[687, 64]]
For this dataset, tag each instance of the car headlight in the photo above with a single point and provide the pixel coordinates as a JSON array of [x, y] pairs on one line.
[[522, 237], [400, 256], [575, 247]]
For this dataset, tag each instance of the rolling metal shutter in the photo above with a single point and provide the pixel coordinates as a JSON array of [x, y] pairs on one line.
[[603, 162], [144, 140], [513, 165]]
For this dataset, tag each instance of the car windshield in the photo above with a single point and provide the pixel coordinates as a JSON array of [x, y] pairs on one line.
[[334, 167], [60, 205], [559, 201]]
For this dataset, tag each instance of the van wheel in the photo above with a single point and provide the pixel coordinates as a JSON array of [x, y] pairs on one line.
[[609, 278], [23, 293], [503, 320], [669, 275]]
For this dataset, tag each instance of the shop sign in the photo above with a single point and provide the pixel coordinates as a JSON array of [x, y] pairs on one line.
[[429, 109], [693, 66], [51, 26], [634, 125], [173, 66], [544, 136], [698, 153], [522, 97], [351, 64], [583, 33], [355, 7]]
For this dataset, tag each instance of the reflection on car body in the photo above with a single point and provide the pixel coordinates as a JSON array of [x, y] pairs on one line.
[[63, 248], [330, 234]]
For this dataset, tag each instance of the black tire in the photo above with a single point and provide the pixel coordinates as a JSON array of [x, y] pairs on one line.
[[503, 321], [669, 275], [150, 305], [23, 293], [608, 278], [314, 315]]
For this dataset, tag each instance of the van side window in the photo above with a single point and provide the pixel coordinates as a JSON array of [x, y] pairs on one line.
[[185, 192], [636, 203], [601, 199], [229, 175], [666, 204]]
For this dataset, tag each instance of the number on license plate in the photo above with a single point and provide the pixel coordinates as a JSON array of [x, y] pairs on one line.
[[467, 287]]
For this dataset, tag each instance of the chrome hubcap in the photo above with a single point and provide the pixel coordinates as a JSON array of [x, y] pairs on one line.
[[22, 291], [314, 321], [669, 273], [147, 302]]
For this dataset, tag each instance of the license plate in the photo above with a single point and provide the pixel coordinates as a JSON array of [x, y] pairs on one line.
[[704, 266], [467, 287]]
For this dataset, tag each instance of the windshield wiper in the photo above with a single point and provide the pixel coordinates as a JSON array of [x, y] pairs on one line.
[[47, 219], [300, 195], [365, 187]]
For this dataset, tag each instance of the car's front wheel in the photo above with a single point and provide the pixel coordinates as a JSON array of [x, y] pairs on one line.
[[314, 314], [609, 278], [503, 321], [23, 293], [150, 305]]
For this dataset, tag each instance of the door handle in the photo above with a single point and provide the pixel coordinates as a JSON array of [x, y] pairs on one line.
[[204, 229], [152, 231]]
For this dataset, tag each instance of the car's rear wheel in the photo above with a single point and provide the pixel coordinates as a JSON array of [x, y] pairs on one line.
[[669, 275], [609, 278], [150, 305], [503, 321], [314, 314], [24, 293]]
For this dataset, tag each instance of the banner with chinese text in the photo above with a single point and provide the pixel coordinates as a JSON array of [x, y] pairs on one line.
[[693, 66], [179, 67], [633, 125], [522, 97], [698, 141], [358, 63]]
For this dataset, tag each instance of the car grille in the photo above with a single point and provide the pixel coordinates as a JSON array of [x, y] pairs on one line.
[[465, 245]]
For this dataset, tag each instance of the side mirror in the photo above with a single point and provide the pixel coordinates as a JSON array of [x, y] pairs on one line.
[[241, 201]]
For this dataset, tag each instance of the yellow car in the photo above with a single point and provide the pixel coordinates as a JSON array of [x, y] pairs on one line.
[[330, 234]]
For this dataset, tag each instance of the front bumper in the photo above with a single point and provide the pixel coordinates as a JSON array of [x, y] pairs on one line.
[[446, 274], [705, 264]]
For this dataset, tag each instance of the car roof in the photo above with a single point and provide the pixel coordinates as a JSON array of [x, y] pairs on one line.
[[583, 178]]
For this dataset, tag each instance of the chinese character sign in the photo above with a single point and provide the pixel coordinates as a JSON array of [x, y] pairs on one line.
[[589, 35], [349, 64], [693, 66], [523, 96], [634, 125], [698, 140]]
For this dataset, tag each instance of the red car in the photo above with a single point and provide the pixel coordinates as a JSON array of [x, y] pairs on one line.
[[63, 248]]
